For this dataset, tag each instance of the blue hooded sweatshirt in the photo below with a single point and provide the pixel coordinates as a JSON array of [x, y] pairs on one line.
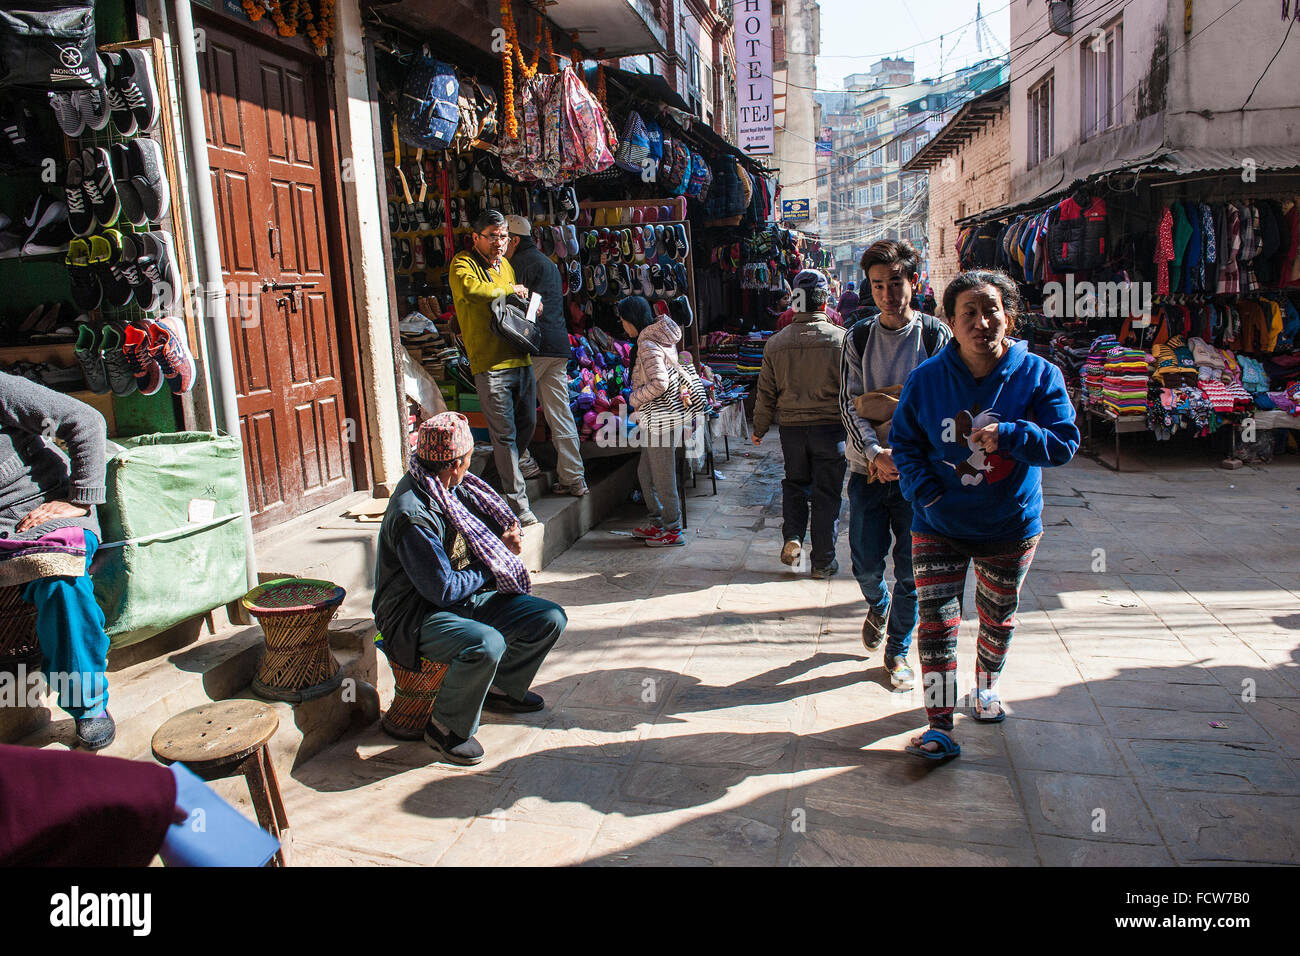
[[994, 497]]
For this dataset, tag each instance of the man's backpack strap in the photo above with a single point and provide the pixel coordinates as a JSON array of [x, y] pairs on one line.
[[931, 329]]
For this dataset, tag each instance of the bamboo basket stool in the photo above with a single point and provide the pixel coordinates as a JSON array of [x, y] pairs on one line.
[[413, 697], [230, 738], [18, 643], [295, 614]]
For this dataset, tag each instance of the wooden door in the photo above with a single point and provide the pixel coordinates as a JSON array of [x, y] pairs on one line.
[[264, 126]]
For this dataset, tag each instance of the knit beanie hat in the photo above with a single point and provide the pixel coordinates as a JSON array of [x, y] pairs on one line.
[[636, 310], [443, 439]]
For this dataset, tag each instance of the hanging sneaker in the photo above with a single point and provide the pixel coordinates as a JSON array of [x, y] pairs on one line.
[[81, 217], [87, 293], [121, 380], [22, 135], [68, 111], [97, 181], [48, 222], [118, 289], [94, 108], [135, 346], [119, 109], [149, 176], [171, 350], [127, 195], [158, 271], [88, 354]]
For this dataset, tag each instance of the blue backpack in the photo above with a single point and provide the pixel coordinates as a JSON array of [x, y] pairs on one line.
[[428, 112]]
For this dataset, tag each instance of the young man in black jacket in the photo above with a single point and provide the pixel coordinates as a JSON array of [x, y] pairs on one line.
[[550, 366]]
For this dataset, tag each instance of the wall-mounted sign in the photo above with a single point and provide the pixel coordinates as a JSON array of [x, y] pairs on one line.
[[825, 146], [753, 33], [795, 210]]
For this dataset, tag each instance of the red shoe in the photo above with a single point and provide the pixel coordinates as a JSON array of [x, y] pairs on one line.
[[135, 346], [167, 347], [669, 539], [649, 531]]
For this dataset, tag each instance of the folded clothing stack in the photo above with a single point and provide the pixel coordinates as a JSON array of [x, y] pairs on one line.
[[1094, 368], [1125, 377]]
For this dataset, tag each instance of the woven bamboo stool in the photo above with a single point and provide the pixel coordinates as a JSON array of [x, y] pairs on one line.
[[18, 644], [412, 699], [229, 738], [295, 614]]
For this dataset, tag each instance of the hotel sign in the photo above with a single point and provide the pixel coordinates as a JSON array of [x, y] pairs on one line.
[[754, 76]]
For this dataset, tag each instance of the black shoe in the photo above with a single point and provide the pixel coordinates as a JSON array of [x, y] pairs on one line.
[[21, 135], [160, 283], [81, 217], [135, 82], [566, 204], [502, 703], [145, 162], [827, 572], [461, 750], [873, 629], [127, 195], [48, 222], [680, 310], [96, 733], [97, 183]]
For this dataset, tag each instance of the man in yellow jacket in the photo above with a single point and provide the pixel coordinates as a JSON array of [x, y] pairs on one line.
[[503, 375]]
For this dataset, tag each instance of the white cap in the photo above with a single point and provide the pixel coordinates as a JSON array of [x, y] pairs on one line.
[[518, 226]]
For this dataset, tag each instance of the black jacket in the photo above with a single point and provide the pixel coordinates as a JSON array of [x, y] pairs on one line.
[[542, 276]]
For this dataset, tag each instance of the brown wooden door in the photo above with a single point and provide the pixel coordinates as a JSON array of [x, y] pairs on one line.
[[264, 122]]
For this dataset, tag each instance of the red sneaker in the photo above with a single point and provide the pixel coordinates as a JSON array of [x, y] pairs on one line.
[[135, 346], [649, 531], [169, 349], [669, 539]]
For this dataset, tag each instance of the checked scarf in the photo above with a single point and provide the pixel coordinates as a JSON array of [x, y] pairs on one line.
[[509, 571]]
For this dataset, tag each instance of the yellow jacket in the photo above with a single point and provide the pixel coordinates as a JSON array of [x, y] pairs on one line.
[[474, 287]]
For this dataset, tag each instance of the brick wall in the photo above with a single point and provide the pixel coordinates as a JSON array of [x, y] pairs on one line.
[[978, 176]]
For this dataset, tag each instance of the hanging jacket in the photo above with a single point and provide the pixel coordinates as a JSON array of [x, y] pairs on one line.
[[1079, 240]]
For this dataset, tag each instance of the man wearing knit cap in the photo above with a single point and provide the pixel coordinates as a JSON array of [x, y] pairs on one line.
[[800, 379], [450, 588]]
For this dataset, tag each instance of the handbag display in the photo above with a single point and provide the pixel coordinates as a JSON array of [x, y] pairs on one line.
[[49, 45]]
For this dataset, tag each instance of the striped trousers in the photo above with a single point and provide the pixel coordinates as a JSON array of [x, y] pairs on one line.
[[940, 566]]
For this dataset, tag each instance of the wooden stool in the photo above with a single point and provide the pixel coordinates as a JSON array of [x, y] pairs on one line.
[[412, 699], [18, 644], [295, 615], [229, 738]]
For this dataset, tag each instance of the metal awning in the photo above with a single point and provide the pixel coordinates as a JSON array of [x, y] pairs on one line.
[[618, 27], [649, 86], [973, 116], [1184, 162]]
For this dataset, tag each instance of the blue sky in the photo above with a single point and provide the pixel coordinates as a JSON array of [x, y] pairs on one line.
[[856, 33]]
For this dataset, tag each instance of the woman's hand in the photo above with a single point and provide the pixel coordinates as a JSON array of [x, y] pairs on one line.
[[513, 538], [986, 438], [684, 394], [51, 511]]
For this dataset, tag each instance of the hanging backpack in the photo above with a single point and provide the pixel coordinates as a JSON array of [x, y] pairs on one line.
[[680, 168], [477, 105], [634, 147], [701, 178], [428, 112], [49, 45]]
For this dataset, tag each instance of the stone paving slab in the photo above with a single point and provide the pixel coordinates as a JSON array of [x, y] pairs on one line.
[[709, 706]]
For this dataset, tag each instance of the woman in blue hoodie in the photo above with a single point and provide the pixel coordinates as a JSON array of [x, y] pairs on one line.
[[973, 429]]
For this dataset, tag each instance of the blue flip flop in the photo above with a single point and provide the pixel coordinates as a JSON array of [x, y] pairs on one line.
[[948, 748], [985, 699]]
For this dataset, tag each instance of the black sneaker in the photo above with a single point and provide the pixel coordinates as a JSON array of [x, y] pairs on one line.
[[148, 176], [21, 133], [81, 217], [136, 84], [49, 228], [873, 629], [503, 703], [118, 290], [128, 196], [96, 733], [566, 203], [94, 108], [97, 182], [119, 109], [461, 750], [87, 293], [827, 572], [157, 265]]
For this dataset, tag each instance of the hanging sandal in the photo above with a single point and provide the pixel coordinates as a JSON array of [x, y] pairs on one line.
[[984, 702], [948, 748]]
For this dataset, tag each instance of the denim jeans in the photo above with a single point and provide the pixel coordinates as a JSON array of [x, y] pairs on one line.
[[877, 510], [508, 398], [814, 471], [494, 638]]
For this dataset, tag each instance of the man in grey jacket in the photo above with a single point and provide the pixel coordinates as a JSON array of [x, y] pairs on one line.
[[879, 353], [47, 505], [800, 380]]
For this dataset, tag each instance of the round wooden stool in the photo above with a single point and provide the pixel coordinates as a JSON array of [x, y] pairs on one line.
[[229, 738], [413, 698], [295, 614], [18, 644]]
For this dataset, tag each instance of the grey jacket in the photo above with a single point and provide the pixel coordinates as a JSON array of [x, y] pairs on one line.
[[800, 377], [33, 470]]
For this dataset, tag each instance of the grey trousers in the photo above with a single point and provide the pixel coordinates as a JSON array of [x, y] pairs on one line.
[[657, 473], [509, 401], [552, 375]]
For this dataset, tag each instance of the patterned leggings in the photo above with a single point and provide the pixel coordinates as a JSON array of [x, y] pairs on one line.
[[940, 566]]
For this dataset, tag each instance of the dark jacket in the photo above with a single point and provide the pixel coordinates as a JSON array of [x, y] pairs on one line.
[[542, 276], [423, 565], [34, 471]]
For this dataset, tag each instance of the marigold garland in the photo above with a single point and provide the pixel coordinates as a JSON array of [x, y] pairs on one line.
[[507, 77], [318, 24]]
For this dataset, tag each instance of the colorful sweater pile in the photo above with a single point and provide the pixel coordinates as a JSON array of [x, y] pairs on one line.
[[1124, 382], [1094, 368]]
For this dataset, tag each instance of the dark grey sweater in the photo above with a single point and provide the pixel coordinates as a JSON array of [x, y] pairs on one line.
[[33, 470]]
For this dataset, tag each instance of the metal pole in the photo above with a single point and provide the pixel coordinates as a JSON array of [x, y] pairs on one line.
[[214, 290]]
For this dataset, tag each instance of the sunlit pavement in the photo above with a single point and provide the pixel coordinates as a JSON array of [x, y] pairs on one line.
[[706, 705]]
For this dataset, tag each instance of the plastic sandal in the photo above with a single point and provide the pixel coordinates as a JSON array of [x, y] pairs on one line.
[[948, 748]]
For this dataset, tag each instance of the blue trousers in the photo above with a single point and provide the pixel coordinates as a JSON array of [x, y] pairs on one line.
[[496, 638], [877, 510], [70, 628], [814, 472]]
